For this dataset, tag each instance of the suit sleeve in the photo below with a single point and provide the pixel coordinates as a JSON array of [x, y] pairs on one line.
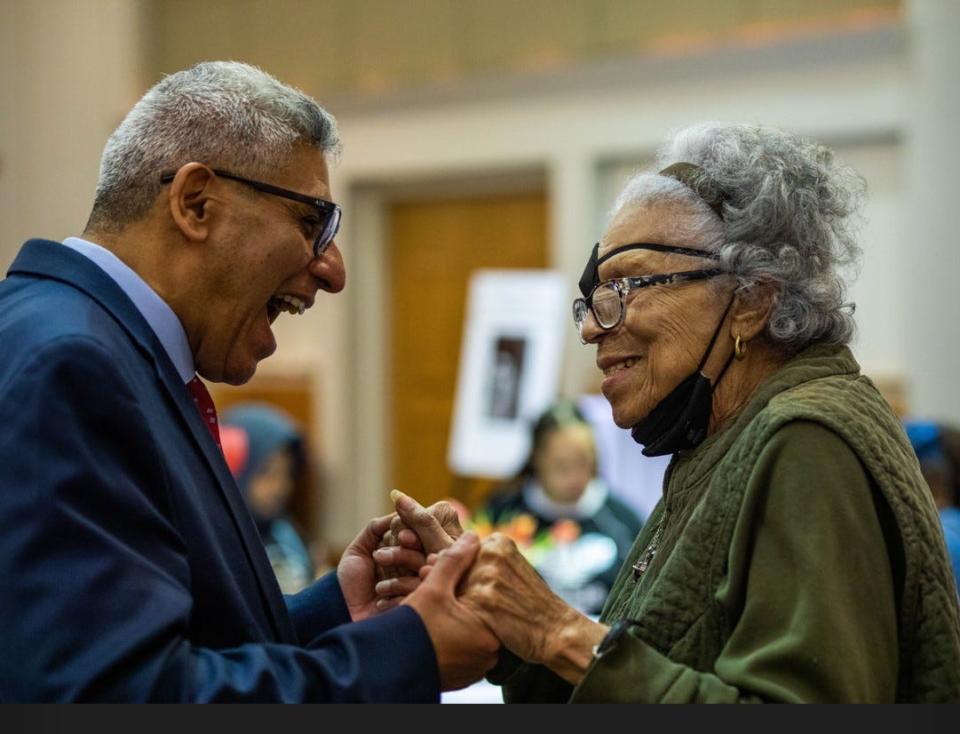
[[95, 599], [317, 608], [810, 590]]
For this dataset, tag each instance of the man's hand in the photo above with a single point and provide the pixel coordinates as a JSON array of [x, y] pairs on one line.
[[465, 647], [358, 574], [529, 619]]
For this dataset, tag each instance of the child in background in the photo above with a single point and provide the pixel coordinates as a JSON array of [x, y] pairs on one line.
[[571, 528]]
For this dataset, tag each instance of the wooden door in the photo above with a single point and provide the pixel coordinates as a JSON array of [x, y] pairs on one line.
[[434, 247]]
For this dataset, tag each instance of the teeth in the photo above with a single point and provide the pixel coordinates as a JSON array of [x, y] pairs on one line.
[[291, 304], [625, 364]]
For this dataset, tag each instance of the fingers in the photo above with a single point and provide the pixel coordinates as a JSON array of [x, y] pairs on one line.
[[453, 562], [501, 547], [399, 559], [372, 535], [400, 534], [427, 567], [396, 525], [448, 518], [378, 527], [400, 586], [409, 539], [418, 519]]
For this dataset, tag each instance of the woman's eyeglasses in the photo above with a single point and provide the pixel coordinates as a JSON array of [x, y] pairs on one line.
[[607, 301]]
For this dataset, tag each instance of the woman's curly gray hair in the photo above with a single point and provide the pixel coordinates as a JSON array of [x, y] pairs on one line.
[[223, 113], [790, 218]]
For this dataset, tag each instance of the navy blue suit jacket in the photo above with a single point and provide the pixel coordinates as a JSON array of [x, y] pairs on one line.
[[130, 569]]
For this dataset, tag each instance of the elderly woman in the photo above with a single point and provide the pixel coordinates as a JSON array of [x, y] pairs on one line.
[[795, 555]]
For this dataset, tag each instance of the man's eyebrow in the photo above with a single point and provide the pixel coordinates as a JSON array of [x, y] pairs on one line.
[[300, 209]]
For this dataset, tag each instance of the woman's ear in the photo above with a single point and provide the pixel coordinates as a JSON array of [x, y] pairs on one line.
[[752, 310], [188, 199]]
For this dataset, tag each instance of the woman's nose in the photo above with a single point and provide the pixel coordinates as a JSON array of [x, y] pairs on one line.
[[590, 330]]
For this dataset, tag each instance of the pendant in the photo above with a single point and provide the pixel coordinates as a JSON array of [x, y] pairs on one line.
[[643, 563], [640, 567]]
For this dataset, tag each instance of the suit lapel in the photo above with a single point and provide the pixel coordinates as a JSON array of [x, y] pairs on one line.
[[270, 591], [46, 259]]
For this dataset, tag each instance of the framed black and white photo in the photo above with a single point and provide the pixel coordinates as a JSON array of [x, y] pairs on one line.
[[509, 367]]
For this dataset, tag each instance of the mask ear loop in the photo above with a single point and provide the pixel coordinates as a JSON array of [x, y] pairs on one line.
[[713, 339]]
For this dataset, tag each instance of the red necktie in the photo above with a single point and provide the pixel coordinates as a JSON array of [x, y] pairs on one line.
[[204, 403]]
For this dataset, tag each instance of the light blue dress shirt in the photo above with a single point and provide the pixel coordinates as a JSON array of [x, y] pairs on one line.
[[161, 318]]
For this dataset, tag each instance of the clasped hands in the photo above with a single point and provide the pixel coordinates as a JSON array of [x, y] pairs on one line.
[[497, 591]]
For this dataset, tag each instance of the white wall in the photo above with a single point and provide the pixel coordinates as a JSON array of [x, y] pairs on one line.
[[880, 292], [69, 71], [929, 262]]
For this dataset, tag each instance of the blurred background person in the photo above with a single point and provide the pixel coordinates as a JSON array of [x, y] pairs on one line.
[[265, 451], [950, 514], [936, 447], [576, 533]]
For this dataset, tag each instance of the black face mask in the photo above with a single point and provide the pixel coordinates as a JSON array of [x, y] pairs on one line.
[[680, 420]]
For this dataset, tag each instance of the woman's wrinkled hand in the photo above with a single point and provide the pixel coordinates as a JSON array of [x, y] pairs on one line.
[[511, 597], [430, 529], [414, 531], [513, 600]]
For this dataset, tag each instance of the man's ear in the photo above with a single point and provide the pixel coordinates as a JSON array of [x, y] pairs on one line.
[[752, 310], [189, 197]]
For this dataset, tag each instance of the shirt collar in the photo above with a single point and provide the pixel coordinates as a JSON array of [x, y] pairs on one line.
[[157, 313], [589, 504]]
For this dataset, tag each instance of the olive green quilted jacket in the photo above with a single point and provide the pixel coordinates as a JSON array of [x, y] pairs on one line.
[[801, 559]]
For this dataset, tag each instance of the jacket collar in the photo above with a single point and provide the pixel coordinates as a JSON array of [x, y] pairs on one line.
[[812, 363]]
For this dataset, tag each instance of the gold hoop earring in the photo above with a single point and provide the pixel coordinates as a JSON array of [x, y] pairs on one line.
[[739, 348]]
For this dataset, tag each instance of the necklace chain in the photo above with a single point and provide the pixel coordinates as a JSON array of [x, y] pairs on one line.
[[643, 562]]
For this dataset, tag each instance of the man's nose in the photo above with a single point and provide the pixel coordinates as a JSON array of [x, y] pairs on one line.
[[329, 270]]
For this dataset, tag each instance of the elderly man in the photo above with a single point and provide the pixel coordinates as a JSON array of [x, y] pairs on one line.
[[131, 570]]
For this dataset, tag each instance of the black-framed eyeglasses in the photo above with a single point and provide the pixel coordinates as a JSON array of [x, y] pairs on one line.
[[607, 301], [328, 220]]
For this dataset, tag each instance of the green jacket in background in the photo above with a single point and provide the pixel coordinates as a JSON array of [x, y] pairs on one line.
[[801, 559]]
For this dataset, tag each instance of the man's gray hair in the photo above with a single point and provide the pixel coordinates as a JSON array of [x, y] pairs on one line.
[[222, 113], [790, 218]]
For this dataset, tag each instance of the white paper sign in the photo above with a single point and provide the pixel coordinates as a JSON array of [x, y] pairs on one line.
[[509, 367]]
